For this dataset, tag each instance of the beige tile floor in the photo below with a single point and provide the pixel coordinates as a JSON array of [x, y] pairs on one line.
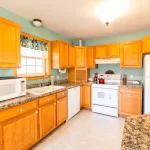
[[85, 131]]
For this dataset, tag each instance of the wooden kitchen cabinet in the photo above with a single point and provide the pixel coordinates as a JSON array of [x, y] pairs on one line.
[[146, 44], [81, 56], [59, 54], [85, 96], [62, 110], [131, 55], [101, 51], [130, 101], [71, 56], [108, 51], [9, 44], [19, 133], [114, 50], [91, 57], [47, 118]]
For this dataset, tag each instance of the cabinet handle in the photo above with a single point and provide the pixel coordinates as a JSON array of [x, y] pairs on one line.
[[48, 99], [58, 102], [21, 109], [54, 103], [36, 112]]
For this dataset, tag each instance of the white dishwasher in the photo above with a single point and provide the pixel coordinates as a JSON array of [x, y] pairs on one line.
[[73, 101]]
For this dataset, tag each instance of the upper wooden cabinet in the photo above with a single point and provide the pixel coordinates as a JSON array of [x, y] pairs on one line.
[[101, 51], [59, 54], [71, 58], [131, 55], [108, 51], [146, 45], [9, 44], [91, 57], [114, 50], [81, 56], [130, 101]]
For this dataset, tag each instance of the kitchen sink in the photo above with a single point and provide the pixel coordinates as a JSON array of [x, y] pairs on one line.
[[45, 89]]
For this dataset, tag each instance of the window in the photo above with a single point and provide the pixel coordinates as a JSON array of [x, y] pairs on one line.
[[34, 61]]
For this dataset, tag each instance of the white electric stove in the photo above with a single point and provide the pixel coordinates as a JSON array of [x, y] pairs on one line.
[[105, 96]]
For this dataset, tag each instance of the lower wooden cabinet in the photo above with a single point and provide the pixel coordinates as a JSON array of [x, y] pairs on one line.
[[19, 133], [85, 96], [130, 101], [47, 118], [24, 125], [62, 110]]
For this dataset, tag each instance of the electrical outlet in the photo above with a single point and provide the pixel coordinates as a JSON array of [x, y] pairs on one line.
[[131, 77]]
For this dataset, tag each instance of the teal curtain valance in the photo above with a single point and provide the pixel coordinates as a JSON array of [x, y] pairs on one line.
[[32, 43]]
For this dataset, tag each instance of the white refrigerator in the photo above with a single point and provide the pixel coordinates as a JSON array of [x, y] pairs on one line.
[[146, 102]]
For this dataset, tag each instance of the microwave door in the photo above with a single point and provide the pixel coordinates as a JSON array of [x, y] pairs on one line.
[[9, 89]]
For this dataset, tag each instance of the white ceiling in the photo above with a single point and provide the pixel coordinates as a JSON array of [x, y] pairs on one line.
[[77, 19]]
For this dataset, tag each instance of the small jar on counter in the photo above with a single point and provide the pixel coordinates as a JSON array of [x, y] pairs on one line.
[[124, 80]]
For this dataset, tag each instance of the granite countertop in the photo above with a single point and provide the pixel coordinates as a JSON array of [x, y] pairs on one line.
[[29, 97], [136, 135], [130, 85]]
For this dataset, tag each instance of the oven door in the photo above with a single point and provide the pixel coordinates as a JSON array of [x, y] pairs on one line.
[[105, 97], [9, 89]]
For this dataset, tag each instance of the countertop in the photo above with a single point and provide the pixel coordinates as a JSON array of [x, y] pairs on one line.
[[136, 135], [130, 85], [29, 97]]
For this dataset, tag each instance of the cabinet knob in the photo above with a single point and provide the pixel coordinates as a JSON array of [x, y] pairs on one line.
[[21, 109], [36, 112], [63, 94], [54, 103], [58, 102], [48, 99]]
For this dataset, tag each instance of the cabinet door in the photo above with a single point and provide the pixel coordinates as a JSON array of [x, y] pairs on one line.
[[114, 51], [71, 56], [146, 45], [47, 118], [20, 133], [130, 104], [86, 96], [63, 55], [9, 44], [131, 55], [101, 51], [90, 57], [62, 110], [80, 57]]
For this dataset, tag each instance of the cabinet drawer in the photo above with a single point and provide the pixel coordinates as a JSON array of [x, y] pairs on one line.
[[18, 110], [47, 99], [61, 94], [130, 90]]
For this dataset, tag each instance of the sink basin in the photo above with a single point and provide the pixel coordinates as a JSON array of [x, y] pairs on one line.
[[45, 89]]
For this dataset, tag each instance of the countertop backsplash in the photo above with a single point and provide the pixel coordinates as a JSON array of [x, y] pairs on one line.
[[136, 73]]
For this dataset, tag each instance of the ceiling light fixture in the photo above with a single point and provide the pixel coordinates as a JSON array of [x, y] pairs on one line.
[[108, 10], [37, 22]]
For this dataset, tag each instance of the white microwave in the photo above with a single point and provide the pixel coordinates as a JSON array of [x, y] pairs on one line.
[[11, 87]]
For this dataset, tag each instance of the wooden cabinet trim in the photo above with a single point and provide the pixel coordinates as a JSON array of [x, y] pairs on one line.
[[62, 94]]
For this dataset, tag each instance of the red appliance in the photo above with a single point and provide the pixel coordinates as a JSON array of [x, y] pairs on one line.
[[101, 80]]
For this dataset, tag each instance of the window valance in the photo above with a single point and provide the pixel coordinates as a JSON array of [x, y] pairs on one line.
[[31, 43]]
